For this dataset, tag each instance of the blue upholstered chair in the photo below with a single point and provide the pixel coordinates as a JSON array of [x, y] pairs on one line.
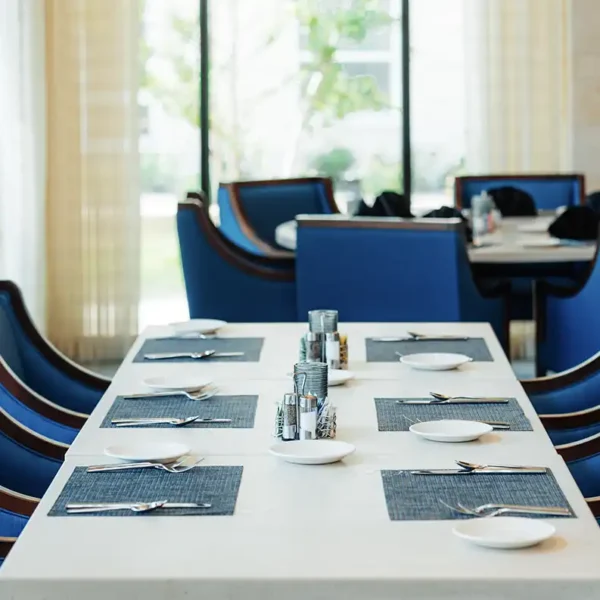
[[38, 364], [35, 421], [548, 191], [583, 460], [223, 281], [567, 322], [251, 210], [374, 269]]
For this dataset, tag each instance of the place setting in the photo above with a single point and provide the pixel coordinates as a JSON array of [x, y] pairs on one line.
[[199, 340], [450, 418], [154, 479], [431, 352]]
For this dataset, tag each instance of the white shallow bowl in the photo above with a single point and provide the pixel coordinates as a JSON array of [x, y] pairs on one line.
[[197, 326], [451, 430], [435, 361], [312, 452], [338, 377], [541, 243], [504, 532], [186, 383], [156, 452]]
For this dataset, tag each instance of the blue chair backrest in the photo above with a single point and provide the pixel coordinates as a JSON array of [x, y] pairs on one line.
[[373, 269], [222, 284], [267, 204], [549, 192], [23, 470], [34, 369], [586, 472], [34, 421]]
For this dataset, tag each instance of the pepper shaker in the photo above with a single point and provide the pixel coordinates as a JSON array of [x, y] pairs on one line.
[[290, 417], [314, 347]]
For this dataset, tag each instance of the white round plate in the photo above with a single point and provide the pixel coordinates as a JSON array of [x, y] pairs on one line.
[[435, 361], [338, 377], [187, 383], [147, 452], [504, 532], [541, 243], [450, 430], [197, 326], [533, 228], [312, 452]]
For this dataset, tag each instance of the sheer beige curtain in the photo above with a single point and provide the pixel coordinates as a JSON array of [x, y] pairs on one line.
[[517, 86], [92, 211]]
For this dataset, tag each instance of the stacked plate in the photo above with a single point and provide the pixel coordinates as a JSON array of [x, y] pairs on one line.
[[311, 378]]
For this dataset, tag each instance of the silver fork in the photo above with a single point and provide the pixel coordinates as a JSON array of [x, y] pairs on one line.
[[199, 394], [176, 467], [495, 510]]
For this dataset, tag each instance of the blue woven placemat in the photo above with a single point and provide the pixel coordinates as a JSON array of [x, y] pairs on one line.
[[417, 497], [240, 409], [218, 486], [398, 417], [476, 348], [251, 347]]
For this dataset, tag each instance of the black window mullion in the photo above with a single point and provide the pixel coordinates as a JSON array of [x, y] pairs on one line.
[[406, 134], [204, 100]]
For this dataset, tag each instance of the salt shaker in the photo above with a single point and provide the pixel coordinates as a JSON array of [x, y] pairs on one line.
[[308, 417], [332, 350], [290, 417]]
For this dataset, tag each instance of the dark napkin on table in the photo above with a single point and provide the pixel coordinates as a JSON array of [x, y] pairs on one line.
[[387, 204], [449, 212], [576, 223], [513, 202]]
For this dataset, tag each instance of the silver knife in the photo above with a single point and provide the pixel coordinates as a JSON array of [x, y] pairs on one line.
[[525, 470], [422, 338], [123, 505], [162, 420], [197, 355], [458, 401]]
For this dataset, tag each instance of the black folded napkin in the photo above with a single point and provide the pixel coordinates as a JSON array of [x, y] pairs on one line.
[[387, 204], [593, 201], [576, 223], [449, 212], [513, 202]]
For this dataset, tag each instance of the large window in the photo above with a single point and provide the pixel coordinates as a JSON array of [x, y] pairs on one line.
[[301, 87]]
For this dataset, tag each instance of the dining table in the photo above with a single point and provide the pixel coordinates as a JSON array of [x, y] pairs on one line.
[[293, 531], [517, 240]]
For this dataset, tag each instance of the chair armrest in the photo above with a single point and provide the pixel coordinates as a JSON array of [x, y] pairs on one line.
[[580, 418], [6, 544], [562, 380], [581, 449], [28, 438], [594, 504], [20, 504], [39, 404]]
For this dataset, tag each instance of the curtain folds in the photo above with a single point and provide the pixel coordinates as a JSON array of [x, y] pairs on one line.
[[517, 86], [22, 153], [92, 207]]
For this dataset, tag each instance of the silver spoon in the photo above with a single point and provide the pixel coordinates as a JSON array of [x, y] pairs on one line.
[[139, 507], [443, 397], [463, 464]]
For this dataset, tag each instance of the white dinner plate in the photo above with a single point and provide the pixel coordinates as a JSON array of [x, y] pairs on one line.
[[187, 383], [533, 228], [338, 377], [197, 326], [450, 430], [541, 243], [312, 452], [155, 452], [504, 532], [435, 361]]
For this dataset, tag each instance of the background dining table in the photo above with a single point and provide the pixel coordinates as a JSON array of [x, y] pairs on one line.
[[305, 531], [513, 242]]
